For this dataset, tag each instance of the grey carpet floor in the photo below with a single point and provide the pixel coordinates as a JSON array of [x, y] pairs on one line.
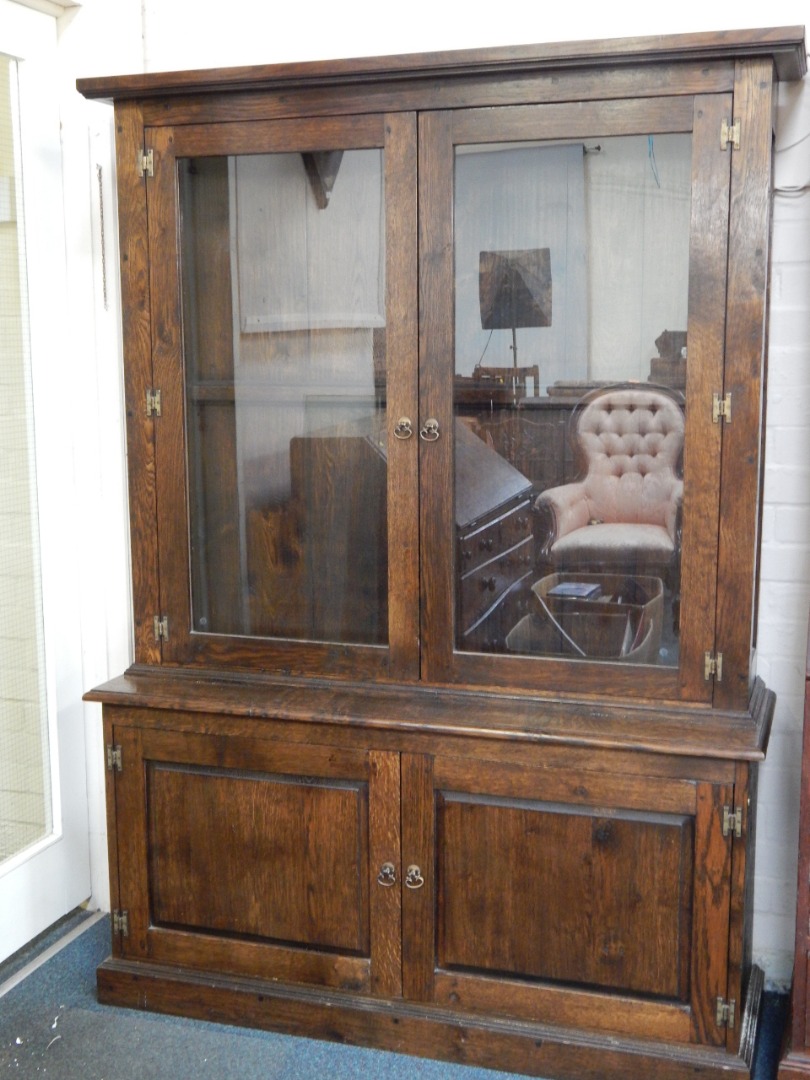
[[52, 1028]]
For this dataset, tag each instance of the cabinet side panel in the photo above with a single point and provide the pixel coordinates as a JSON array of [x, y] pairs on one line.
[[137, 331], [749, 238]]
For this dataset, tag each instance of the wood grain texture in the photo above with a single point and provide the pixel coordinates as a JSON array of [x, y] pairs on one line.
[[708, 251], [246, 855], [634, 81], [418, 849], [577, 910], [258, 855], [167, 352], [137, 331], [577, 786], [784, 43], [385, 902], [436, 291], [531, 1048], [710, 919], [742, 894], [112, 832], [748, 276], [577, 121], [402, 393], [547, 893], [699, 733], [563, 1005]]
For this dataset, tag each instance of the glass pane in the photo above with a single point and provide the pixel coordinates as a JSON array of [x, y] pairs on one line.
[[571, 267], [26, 803], [284, 338]]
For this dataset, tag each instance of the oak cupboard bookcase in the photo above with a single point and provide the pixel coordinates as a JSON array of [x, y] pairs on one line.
[[444, 385]]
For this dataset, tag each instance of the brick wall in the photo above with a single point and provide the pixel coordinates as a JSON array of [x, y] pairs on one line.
[[785, 578]]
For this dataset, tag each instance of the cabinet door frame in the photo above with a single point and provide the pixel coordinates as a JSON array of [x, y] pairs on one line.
[[439, 134], [396, 135], [374, 778], [704, 951]]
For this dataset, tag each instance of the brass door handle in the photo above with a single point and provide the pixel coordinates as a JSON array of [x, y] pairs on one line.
[[387, 875], [430, 432], [403, 429], [413, 878]]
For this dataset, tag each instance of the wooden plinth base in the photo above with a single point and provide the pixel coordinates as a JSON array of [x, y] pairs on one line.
[[495, 1043]]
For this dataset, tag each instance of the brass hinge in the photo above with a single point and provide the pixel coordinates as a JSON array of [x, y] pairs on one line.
[[732, 820], [161, 627], [721, 408], [726, 1013], [152, 402], [713, 666], [114, 758], [730, 135], [120, 923], [146, 163]]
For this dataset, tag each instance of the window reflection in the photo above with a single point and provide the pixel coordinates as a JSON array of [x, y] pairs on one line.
[[284, 341], [576, 384]]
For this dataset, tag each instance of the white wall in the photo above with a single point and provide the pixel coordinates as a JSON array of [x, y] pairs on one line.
[[130, 35]]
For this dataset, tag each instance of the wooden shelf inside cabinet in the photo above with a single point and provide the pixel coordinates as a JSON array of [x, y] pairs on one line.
[[346, 797]]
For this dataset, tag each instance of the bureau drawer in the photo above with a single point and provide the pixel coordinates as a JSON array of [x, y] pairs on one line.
[[482, 587], [479, 545]]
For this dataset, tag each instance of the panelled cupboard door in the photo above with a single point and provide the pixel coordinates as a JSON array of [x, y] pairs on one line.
[[283, 299], [568, 898], [254, 857], [573, 257]]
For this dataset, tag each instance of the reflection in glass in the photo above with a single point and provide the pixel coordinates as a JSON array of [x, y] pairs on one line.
[[573, 396], [283, 289]]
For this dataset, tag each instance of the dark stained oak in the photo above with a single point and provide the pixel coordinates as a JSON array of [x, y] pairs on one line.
[[784, 44], [136, 320], [333, 816]]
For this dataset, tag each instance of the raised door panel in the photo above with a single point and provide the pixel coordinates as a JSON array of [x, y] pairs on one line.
[[586, 897], [254, 857], [572, 897]]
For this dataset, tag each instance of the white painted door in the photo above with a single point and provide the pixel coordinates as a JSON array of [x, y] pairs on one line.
[[44, 858]]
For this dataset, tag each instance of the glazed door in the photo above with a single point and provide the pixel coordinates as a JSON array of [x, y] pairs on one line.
[[573, 332], [255, 857], [283, 292], [569, 896]]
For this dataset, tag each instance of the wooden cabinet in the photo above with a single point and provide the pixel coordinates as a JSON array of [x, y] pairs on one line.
[[366, 366]]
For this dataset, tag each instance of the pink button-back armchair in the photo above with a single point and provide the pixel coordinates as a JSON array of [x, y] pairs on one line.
[[624, 514]]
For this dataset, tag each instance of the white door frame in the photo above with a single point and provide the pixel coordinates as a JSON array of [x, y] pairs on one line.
[[46, 881]]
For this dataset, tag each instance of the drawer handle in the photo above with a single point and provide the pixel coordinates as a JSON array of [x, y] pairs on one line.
[[430, 432], [413, 878], [403, 429], [387, 875]]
